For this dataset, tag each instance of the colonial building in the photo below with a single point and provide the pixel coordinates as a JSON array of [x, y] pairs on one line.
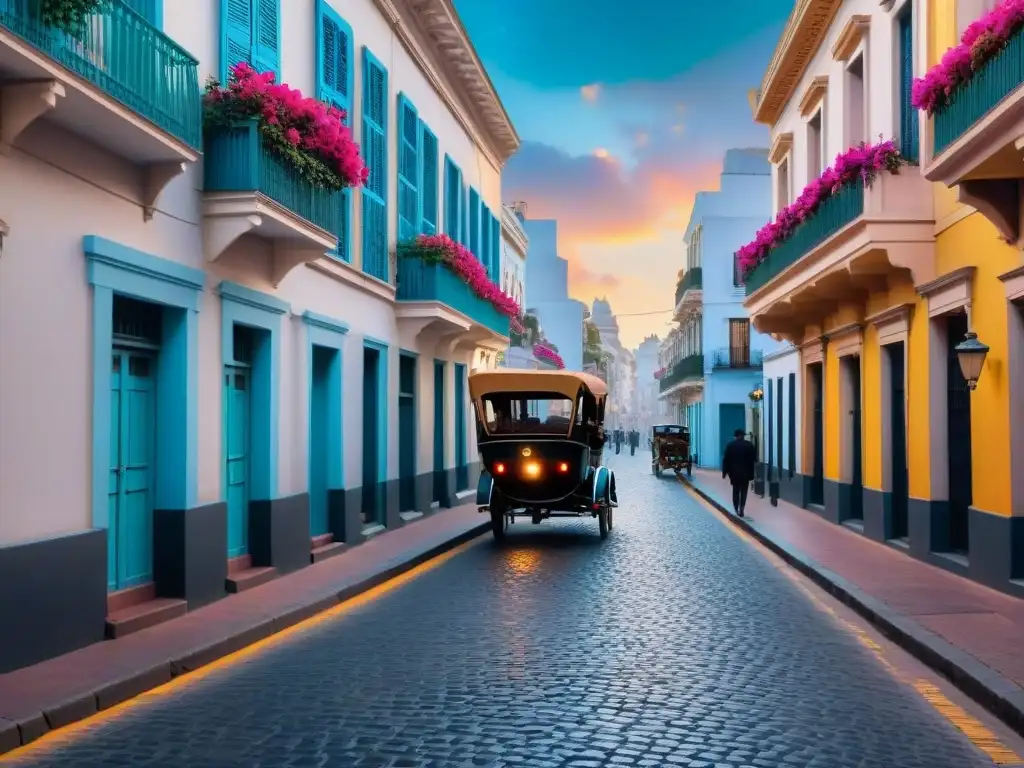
[[780, 424], [248, 380], [620, 366], [891, 287]]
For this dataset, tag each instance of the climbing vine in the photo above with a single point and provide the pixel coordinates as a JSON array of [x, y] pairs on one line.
[[69, 15]]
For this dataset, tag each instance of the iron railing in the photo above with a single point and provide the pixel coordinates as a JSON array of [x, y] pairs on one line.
[[420, 281], [736, 357], [690, 367], [693, 278]]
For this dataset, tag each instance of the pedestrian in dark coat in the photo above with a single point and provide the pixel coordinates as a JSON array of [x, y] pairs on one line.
[[634, 441], [738, 465], [618, 440]]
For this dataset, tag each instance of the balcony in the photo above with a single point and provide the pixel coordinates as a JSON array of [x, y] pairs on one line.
[[248, 189], [689, 292], [858, 241], [686, 373], [978, 140], [736, 358], [435, 301], [118, 82]]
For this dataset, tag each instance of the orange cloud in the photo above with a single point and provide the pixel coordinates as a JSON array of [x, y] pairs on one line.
[[591, 93]]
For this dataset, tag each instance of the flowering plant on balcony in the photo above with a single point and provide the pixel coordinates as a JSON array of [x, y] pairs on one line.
[[69, 16], [441, 249], [863, 162], [660, 373], [543, 352], [307, 133], [981, 42]]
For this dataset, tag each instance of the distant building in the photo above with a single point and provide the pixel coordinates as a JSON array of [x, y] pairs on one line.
[[647, 401], [621, 367]]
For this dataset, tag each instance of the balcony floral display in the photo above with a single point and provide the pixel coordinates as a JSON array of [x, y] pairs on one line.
[[69, 16], [660, 373], [981, 42], [863, 162], [441, 249], [305, 133], [543, 352]]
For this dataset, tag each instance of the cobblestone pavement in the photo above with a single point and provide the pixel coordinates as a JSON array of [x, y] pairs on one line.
[[672, 643]]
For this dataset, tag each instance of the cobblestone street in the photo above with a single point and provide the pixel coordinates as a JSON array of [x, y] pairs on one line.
[[673, 642]]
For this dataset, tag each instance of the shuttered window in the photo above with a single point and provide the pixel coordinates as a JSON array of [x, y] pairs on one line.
[[496, 247], [151, 10], [485, 239], [428, 181], [792, 425], [452, 200], [251, 31], [375, 154], [909, 125], [408, 169], [474, 223], [464, 224], [334, 86]]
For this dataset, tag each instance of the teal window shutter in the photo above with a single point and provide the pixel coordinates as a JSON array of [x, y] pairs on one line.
[[452, 200], [909, 125], [236, 24], [267, 36], [151, 10], [485, 239], [496, 247], [464, 223], [474, 222], [375, 153], [428, 181], [408, 169], [334, 87]]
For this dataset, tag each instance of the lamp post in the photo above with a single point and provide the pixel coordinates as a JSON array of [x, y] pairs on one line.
[[971, 355], [756, 396]]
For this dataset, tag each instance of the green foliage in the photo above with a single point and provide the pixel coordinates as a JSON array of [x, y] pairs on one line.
[[69, 16], [531, 335]]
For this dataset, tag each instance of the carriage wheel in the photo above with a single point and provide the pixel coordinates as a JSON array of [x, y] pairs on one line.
[[499, 519], [611, 518], [689, 468], [657, 469], [604, 521]]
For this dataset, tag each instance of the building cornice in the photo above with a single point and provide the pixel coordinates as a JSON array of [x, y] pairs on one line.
[[849, 38], [804, 32], [782, 144], [814, 94], [438, 24], [514, 231]]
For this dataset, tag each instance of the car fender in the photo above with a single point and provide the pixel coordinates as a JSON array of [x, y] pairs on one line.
[[484, 488], [604, 481]]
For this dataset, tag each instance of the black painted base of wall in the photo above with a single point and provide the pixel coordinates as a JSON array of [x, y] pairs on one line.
[[843, 501], [997, 547], [878, 514], [424, 493], [188, 553], [791, 489], [449, 481], [392, 496], [809, 496], [928, 523], [53, 597], [474, 476], [344, 514], [279, 533]]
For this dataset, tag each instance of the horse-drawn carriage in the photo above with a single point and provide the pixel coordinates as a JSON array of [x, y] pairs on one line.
[[670, 449]]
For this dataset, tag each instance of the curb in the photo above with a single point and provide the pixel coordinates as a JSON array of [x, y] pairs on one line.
[[998, 694], [16, 734]]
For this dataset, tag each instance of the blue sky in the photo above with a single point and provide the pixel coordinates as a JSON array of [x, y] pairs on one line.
[[625, 110]]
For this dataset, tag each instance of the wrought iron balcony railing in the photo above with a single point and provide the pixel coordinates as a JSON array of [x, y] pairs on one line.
[[690, 367], [736, 357], [693, 278]]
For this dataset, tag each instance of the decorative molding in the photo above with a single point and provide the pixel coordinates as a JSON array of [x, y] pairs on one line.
[[813, 351], [514, 232], [1013, 280], [949, 292], [783, 143], [230, 291], [324, 322], [893, 324], [847, 340], [440, 25], [804, 32], [21, 104], [853, 32], [813, 95]]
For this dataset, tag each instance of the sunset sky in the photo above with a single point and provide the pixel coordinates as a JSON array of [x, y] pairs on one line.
[[625, 109]]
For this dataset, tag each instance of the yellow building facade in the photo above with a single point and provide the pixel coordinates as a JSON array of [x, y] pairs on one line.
[[885, 280]]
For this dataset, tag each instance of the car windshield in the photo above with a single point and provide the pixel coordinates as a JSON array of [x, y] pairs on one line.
[[665, 431], [527, 413]]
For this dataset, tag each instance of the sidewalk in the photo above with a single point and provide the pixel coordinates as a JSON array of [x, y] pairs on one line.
[[970, 633], [60, 691]]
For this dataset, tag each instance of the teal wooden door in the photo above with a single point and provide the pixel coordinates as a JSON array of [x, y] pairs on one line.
[[406, 433], [439, 480], [132, 451], [731, 416], [372, 496], [461, 461], [318, 450], [237, 380]]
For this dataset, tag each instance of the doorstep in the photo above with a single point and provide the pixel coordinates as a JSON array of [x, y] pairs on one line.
[[964, 630], [69, 688]]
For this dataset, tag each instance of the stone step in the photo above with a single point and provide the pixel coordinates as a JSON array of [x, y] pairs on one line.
[[327, 550], [240, 581], [141, 616], [321, 540]]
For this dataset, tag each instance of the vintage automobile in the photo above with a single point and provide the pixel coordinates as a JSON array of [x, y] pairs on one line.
[[670, 449], [541, 440]]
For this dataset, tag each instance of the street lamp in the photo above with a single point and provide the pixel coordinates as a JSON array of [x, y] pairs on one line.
[[971, 353], [756, 396]]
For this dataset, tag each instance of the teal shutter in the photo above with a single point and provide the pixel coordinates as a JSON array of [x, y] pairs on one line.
[[408, 169], [909, 125], [428, 181], [151, 10], [452, 200], [267, 36], [464, 222], [496, 247], [485, 239], [236, 23], [334, 87], [474, 222], [375, 153]]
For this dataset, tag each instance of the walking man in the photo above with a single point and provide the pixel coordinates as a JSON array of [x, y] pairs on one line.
[[618, 440], [738, 464], [634, 441]]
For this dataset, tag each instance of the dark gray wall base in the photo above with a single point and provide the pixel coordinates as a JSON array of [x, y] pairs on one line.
[[834, 500], [791, 489], [53, 597], [877, 514], [279, 532], [392, 491], [424, 490], [474, 475], [449, 499], [997, 547], [809, 491], [188, 553], [344, 514], [928, 523]]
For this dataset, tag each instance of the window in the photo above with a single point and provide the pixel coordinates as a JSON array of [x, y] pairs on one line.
[[528, 413], [376, 261], [909, 131], [739, 342], [428, 180], [782, 188], [737, 273], [792, 424], [814, 134], [250, 31], [334, 87], [778, 425], [150, 10], [452, 199], [856, 130], [408, 169], [474, 224]]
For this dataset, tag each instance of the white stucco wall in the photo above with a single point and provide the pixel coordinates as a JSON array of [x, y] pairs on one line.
[[58, 188], [781, 364]]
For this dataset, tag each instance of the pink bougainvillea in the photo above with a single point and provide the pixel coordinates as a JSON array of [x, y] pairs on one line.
[[862, 162], [460, 260], [307, 133], [981, 41], [543, 352], [660, 373]]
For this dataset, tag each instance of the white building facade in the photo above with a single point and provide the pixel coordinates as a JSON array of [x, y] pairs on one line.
[[255, 382], [781, 422]]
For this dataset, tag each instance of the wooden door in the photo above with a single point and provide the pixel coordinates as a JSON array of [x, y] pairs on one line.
[[237, 444]]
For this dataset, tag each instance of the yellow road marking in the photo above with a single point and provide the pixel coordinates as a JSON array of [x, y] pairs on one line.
[[62, 736], [976, 732]]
